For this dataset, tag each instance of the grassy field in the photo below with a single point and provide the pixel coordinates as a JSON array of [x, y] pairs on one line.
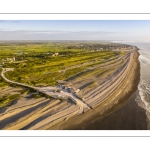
[[35, 64], [43, 63], [8, 100], [2, 82]]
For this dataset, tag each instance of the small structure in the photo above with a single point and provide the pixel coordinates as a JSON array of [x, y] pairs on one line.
[[13, 58], [77, 90], [7, 60], [61, 82], [56, 54]]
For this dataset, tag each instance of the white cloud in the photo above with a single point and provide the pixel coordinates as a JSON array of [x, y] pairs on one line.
[[6, 34]]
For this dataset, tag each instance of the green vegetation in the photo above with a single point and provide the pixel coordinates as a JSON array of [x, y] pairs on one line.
[[92, 85], [105, 72], [25, 91], [2, 82], [46, 62], [8, 100], [90, 72], [37, 95]]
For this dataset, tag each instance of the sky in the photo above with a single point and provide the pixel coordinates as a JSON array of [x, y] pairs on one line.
[[112, 30]]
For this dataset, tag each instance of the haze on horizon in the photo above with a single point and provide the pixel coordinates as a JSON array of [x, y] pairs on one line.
[[114, 30]]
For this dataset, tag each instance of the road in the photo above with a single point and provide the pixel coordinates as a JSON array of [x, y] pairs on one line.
[[82, 106]]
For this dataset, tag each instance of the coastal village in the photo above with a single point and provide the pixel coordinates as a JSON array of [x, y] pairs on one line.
[[21, 56]]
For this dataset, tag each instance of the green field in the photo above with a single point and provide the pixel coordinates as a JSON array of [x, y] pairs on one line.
[[8, 100], [35, 64], [2, 82]]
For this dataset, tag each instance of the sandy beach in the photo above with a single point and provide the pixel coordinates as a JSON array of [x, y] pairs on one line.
[[123, 113], [129, 117]]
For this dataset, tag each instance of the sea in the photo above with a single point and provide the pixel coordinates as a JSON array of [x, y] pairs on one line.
[[143, 99]]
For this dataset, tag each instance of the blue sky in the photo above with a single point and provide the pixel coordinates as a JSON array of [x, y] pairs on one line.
[[128, 30]]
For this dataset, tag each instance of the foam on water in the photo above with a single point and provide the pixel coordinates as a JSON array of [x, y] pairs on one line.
[[144, 60], [143, 99]]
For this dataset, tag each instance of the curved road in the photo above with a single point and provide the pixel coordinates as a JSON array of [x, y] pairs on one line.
[[83, 107]]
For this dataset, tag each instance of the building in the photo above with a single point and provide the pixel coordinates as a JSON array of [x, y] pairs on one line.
[[8, 60], [56, 54]]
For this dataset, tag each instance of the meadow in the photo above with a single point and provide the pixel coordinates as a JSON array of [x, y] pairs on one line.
[[46, 62]]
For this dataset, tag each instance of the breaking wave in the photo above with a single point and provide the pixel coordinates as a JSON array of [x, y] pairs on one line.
[[144, 60], [143, 99]]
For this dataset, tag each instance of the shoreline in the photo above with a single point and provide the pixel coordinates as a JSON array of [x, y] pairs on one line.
[[130, 116], [106, 100], [113, 109]]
